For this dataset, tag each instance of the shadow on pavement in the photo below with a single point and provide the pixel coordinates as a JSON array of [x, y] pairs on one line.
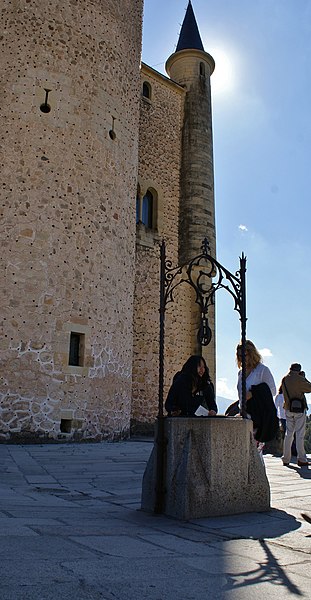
[[268, 571], [303, 472]]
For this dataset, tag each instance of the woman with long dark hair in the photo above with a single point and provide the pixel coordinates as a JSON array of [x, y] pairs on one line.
[[191, 388]]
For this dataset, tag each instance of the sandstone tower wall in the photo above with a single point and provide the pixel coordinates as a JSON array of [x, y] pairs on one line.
[[192, 69], [69, 135], [83, 133], [159, 170]]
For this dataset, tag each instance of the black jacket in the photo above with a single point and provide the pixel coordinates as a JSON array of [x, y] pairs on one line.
[[263, 412], [180, 396]]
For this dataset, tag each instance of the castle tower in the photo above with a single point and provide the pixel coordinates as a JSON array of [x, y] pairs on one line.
[[191, 67], [70, 112]]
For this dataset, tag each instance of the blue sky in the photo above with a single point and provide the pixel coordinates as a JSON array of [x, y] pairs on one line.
[[261, 93]]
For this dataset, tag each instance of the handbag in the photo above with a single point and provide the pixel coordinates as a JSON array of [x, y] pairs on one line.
[[296, 405]]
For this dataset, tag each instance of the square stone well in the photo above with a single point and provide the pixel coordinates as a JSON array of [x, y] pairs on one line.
[[211, 467]]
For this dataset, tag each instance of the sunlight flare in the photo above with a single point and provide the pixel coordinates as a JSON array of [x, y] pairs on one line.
[[222, 79]]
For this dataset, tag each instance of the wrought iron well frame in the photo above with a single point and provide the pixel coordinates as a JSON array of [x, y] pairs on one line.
[[195, 273]]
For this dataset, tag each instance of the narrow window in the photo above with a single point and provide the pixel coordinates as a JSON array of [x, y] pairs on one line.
[[137, 208], [76, 349], [147, 213], [202, 69], [147, 90]]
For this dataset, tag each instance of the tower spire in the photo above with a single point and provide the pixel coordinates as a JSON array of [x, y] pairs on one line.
[[189, 37], [191, 67]]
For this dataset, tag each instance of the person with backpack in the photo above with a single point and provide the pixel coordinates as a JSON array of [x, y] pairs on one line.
[[294, 387]]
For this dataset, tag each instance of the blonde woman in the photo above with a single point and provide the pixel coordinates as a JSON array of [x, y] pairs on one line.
[[256, 371], [261, 407]]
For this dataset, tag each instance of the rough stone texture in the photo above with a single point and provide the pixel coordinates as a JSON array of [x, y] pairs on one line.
[[175, 160], [212, 467], [159, 170], [71, 528], [192, 69], [68, 218], [74, 132], [197, 214]]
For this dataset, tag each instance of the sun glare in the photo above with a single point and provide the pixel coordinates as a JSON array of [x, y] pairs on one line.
[[222, 79]]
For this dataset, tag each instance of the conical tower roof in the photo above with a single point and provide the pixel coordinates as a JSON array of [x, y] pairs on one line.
[[189, 37]]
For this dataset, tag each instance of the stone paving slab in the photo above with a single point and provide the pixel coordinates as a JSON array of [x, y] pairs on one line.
[[9, 529], [71, 527], [33, 548]]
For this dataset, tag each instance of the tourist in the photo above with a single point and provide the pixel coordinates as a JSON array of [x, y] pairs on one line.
[[294, 387], [279, 404], [260, 389], [191, 388]]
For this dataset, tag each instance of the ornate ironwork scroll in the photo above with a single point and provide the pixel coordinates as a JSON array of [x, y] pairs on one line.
[[206, 276]]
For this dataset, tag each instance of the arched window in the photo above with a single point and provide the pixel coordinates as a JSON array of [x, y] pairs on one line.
[[147, 90], [202, 69], [147, 212]]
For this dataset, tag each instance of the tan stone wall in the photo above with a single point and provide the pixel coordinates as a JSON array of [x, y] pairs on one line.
[[68, 218], [192, 69], [159, 168]]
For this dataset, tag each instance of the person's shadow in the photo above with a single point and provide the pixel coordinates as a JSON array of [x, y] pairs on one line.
[[303, 472]]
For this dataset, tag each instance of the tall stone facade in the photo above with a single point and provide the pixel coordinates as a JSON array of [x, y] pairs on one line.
[[69, 132], [85, 134], [161, 120], [176, 171], [192, 68]]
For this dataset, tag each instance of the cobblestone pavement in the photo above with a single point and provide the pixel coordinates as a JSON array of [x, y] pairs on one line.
[[71, 528]]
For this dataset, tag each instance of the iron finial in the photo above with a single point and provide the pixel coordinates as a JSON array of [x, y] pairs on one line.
[[206, 249]]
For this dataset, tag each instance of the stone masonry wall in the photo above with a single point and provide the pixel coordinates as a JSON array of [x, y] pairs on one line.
[[192, 69], [159, 168], [69, 173]]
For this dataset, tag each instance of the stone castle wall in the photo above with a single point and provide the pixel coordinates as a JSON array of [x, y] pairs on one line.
[[159, 169], [192, 69], [69, 173]]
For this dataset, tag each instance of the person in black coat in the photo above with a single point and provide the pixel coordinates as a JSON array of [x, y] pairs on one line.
[[191, 388], [263, 413]]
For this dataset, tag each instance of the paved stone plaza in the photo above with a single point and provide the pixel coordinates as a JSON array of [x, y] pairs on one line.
[[71, 528]]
